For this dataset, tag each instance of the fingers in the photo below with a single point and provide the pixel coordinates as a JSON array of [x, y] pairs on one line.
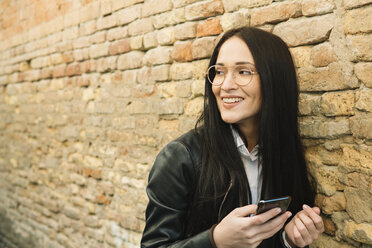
[[245, 210], [262, 218], [271, 227], [313, 213], [304, 233]]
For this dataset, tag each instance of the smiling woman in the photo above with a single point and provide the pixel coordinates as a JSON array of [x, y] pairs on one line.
[[204, 187]]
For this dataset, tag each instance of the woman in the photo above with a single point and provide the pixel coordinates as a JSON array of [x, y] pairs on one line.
[[204, 186]]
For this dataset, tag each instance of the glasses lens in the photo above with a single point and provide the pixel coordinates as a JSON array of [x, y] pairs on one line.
[[215, 75], [243, 74]]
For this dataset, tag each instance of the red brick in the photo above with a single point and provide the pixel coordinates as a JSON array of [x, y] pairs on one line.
[[73, 69], [46, 73], [59, 71], [121, 46], [182, 51], [68, 57], [209, 27]]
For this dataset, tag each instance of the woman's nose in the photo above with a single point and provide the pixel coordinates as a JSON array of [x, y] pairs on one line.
[[229, 82]]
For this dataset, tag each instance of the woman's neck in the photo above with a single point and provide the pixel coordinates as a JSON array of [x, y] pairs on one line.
[[249, 131]]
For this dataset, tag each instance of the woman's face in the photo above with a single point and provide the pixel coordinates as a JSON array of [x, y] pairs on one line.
[[237, 104]]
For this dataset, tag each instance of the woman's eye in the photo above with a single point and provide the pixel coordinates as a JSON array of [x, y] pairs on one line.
[[219, 72], [246, 72]]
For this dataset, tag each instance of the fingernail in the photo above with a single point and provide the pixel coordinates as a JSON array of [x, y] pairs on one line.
[[305, 206], [289, 214], [278, 210]]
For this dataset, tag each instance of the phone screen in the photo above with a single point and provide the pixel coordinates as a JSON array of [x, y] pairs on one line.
[[265, 205]]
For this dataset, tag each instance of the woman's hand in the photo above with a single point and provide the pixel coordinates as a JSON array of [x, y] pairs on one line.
[[239, 230], [304, 227]]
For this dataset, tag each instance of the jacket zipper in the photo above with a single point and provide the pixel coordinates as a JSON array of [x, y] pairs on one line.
[[224, 198]]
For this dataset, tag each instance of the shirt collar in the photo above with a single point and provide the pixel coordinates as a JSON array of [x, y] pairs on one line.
[[253, 155]]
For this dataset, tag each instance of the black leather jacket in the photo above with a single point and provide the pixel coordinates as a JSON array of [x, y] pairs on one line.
[[169, 188]]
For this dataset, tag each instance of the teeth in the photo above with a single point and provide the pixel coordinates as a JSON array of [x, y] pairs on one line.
[[230, 100]]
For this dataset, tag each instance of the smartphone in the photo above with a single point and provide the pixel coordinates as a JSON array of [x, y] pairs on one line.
[[265, 205]]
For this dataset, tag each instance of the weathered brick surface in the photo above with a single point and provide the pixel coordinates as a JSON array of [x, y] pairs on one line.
[[204, 9], [275, 13], [305, 31], [91, 90], [209, 27]]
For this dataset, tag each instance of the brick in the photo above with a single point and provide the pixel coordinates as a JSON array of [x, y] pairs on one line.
[[356, 206], [204, 9], [139, 107], [361, 47], [81, 42], [152, 7], [70, 33], [165, 36], [336, 202], [364, 73], [301, 56], [322, 55], [319, 128], [358, 20], [159, 55], [169, 18], [203, 47], [179, 71], [73, 69], [209, 27], [98, 50], [90, 11], [160, 73], [364, 100], [107, 64], [150, 40], [333, 77], [197, 88], [130, 60], [81, 54], [361, 125], [59, 71], [118, 47], [360, 232], [305, 31], [71, 18], [348, 4], [185, 31], [317, 7], [182, 51], [275, 13], [98, 37], [309, 104], [107, 22], [194, 107], [337, 103], [234, 5], [87, 28], [140, 26], [235, 20], [117, 33], [200, 68], [122, 4], [128, 15], [182, 3], [170, 106], [136, 42], [68, 57]]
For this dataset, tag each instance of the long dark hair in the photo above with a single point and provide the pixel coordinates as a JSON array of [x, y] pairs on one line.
[[284, 166]]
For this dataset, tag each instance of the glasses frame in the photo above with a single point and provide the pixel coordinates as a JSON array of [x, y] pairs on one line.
[[254, 72]]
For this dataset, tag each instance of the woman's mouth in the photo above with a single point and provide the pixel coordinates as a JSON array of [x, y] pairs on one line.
[[232, 99]]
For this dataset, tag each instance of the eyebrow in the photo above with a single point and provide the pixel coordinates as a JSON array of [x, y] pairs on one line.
[[238, 63]]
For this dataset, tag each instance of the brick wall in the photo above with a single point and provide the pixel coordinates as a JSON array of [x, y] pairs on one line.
[[91, 90]]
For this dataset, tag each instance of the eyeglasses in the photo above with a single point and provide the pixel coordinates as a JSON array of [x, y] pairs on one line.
[[242, 74]]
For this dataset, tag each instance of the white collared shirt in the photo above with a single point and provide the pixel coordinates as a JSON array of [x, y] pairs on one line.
[[252, 166]]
